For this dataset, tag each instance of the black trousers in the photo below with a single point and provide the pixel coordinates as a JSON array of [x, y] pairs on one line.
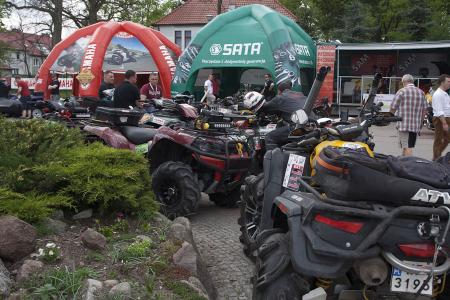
[[277, 138]]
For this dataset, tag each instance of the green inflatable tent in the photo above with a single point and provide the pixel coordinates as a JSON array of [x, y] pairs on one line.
[[250, 38]]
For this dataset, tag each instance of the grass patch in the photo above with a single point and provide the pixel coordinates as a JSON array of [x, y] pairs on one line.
[[95, 256], [59, 283], [183, 290]]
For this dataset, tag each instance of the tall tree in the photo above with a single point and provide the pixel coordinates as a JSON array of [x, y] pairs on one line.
[[145, 12], [354, 27], [51, 8]]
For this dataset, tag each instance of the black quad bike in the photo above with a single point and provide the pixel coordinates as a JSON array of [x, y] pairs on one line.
[[356, 226], [210, 156]]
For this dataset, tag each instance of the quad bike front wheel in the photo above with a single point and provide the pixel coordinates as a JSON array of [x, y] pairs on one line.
[[275, 277], [228, 200], [252, 194], [176, 189], [37, 113]]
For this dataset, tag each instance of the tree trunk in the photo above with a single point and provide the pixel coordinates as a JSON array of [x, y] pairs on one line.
[[57, 19], [219, 7]]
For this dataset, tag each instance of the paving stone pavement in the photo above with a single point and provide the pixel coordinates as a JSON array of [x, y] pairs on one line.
[[216, 234]]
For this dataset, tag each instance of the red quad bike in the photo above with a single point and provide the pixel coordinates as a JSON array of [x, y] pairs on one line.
[[119, 128], [211, 157]]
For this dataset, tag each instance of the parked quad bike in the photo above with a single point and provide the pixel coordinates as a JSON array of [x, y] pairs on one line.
[[252, 189], [169, 113], [209, 157], [72, 115], [358, 217]]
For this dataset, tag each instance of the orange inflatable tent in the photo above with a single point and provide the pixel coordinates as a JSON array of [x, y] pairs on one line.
[[115, 46]]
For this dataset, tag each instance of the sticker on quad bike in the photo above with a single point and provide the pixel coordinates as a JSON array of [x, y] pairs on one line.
[[141, 149], [82, 115], [294, 171], [158, 121]]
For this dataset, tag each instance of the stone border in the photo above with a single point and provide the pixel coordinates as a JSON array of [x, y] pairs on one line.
[[181, 230]]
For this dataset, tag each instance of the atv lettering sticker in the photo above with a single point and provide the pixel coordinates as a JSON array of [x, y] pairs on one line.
[[294, 172]]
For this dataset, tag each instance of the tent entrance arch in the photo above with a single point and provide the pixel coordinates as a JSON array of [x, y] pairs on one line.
[[250, 37], [232, 80], [115, 46]]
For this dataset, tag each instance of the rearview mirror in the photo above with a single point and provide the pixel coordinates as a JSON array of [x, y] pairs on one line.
[[299, 117]]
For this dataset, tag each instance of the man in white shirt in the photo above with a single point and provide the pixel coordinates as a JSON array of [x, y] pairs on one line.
[[209, 91], [441, 113]]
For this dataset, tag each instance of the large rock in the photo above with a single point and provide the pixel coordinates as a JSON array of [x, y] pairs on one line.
[[5, 281], [28, 269], [17, 238], [55, 226], [122, 289], [186, 258], [162, 220], [85, 214], [92, 288], [93, 240], [183, 221], [110, 283], [179, 232]]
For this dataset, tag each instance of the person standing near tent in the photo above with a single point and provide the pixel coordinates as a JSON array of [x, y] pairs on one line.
[[54, 88], [4, 88], [23, 93], [107, 84], [410, 104], [127, 94], [216, 85], [151, 90], [269, 87], [441, 116], [209, 92]]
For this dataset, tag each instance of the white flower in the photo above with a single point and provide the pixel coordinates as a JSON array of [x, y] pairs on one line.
[[41, 251], [50, 252], [50, 245]]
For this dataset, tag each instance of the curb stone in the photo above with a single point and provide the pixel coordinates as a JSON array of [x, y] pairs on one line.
[[181, 230]]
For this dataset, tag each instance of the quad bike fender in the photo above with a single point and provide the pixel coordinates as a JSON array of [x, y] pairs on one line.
[[290, 210], [111, 137]]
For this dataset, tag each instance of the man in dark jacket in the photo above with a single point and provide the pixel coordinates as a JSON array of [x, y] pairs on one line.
[[283, 105], [127, 94]]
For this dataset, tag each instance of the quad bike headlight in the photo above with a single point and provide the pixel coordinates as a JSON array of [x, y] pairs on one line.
[[210, 145]]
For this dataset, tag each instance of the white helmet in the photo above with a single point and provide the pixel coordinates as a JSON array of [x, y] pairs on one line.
[[254, 101]]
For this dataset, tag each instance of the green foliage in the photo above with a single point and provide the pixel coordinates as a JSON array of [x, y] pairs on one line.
[[373, 20], [30, 207], [183, 290], [102, 177], [45, 165], [120, 225], [60, 283], [135, 251]]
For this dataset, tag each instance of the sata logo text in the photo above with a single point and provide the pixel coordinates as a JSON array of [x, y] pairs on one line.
[[301, 50], [241, 49], [431, 196]]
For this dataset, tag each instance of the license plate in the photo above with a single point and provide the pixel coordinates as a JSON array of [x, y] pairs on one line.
[[141, 149], [294, 171], [82, 115], [410, 283], [158, 121], [224, 110]]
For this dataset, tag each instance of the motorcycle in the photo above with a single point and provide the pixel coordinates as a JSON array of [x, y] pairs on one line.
[[118, 57]]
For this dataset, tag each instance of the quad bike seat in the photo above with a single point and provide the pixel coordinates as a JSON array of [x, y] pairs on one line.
[[352, 175], [138, 135]]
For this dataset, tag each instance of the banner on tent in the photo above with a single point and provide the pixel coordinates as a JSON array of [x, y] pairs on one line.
[[65, 83]]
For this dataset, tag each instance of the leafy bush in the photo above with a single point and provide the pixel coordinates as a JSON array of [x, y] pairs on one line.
[[102, 177], [135, 251], [45, 165], [30, 207]]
